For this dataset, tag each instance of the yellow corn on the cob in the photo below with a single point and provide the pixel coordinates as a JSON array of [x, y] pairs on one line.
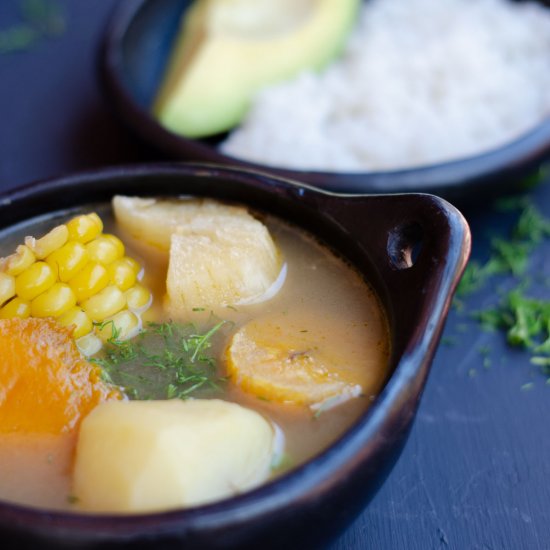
[[123, 325], [7, 287], [89, 281], [20, 260], [83, 229], [51, 241], [80, 276], [16, 308], [68, 260], [77, 318]]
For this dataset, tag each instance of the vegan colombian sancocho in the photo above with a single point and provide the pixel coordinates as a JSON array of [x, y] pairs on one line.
[[163, 353]]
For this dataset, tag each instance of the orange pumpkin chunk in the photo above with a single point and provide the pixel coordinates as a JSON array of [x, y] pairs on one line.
[[45, 384]]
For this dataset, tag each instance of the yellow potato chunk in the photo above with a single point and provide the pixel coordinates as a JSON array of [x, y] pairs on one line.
[[297, 359], [141, 456]]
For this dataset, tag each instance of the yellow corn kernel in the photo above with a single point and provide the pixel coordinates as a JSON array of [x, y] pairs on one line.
[[7, 287], [85, 228], [122, 326], [78, 319], [34, 280], [68, 260], [99, 222], [133, 264], [105, 249], [89, 344], [89, 281], [19, 261], [16, 308], [138, 298], [122, 273], [54, 302], [105, 303], [51, 241]]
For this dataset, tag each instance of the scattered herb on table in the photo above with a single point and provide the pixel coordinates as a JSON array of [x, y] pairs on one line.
[[526, 322], [39, 19], [526, 319], [508, 256], [165, 361], [448, 341]]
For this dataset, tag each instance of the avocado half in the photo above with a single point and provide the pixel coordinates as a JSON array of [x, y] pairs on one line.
[[227, 50]]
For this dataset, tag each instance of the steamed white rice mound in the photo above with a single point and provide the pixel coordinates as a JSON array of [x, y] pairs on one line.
[[421, 81]]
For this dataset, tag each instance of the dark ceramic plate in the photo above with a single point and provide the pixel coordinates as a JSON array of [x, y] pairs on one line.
[[412, 249], [133, 59]]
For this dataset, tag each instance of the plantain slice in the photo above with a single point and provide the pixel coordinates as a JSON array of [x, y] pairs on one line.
[[297, 359]]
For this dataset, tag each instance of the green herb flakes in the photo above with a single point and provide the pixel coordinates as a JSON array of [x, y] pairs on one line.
[[39, 19], [165, 361], [525, 320], [522, 312]]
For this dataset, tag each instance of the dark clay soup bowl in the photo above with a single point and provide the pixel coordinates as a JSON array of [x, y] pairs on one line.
[[411, 248]]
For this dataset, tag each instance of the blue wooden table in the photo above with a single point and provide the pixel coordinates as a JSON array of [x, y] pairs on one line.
[[475, 473]]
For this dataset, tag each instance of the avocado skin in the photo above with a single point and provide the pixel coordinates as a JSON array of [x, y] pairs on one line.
[[212, 76]]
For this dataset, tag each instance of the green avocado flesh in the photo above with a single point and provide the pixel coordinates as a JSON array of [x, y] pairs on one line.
[[227, 50]]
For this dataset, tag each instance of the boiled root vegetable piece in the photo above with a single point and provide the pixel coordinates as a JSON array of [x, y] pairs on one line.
[[140, 456], [220, 255], [227, 266], [153, 221], [298, 360], [229, 49], [45, 384]]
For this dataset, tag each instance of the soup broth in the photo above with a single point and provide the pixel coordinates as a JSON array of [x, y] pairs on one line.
[[321, 293]]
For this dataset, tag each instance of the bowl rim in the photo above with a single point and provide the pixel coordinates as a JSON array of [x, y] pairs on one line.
[[453, 178], [310, 480]]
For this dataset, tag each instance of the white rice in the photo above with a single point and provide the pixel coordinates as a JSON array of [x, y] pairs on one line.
[[421, 81]]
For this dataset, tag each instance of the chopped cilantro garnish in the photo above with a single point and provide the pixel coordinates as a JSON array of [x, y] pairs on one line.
[[39, 19], [165, 361], [524, 318], [484, 350], [474, 278], [526, 321], [509, 256], [532, 226]]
